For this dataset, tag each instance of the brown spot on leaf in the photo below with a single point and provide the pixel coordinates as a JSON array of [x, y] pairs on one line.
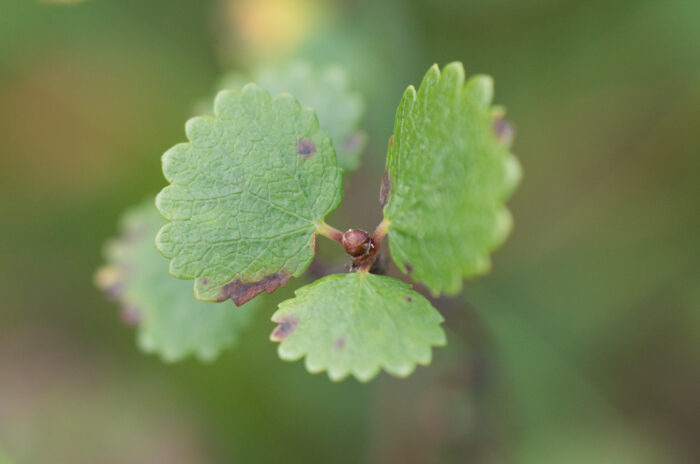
[[391, 140], [306, 148], [114, 292], [408, 267], [130, 315], [385, 189], [110, 279], [205, 281], [340, 343], [242, 292], [284, 329], [505, 132], [408, 298]]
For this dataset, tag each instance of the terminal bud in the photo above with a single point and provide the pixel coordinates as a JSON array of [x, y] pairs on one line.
[[357, 243]]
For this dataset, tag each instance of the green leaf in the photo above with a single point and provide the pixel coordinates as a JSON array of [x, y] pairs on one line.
[[327, 91], [449, 173], [171, 322], [247, 195], [356, 324]]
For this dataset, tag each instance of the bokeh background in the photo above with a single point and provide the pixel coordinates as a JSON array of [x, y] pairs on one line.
[[581, 346]]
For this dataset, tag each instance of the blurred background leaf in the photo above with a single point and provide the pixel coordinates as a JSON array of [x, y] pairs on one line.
[[582, 345]]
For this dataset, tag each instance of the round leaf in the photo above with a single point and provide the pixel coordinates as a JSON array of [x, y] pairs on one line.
[[449, 173], [171, 322], [247, 195], [327, 91], [357, 324]]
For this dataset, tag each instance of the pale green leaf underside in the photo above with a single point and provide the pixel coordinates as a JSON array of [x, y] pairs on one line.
[[246, 195], [358, 323], [450, 176], [172, 323], [327, 91]]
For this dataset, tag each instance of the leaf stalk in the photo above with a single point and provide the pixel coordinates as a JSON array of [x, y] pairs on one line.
[[329, 232]]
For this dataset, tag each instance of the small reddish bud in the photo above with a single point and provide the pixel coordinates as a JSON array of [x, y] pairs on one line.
[[357, 243]]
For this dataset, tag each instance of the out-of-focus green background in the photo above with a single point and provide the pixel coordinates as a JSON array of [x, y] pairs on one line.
[[582, 345]]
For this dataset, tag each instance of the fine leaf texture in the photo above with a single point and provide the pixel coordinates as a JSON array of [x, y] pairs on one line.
[[358, 323], [327, 91], [449, 173], [247, 195], [170, 321]]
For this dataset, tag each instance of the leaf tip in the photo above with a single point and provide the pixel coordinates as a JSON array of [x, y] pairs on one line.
[[410, 93], [201, 129], [513, 173], [402, 370], [161, 241], [479, 88], [252, 90], [222, 102], [453, 73], [365, 375], [454, 66]]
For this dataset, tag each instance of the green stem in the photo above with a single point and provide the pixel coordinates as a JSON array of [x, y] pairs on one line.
[[329, 232], [380, 232]]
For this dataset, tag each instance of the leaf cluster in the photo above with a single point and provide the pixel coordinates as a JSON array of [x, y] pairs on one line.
[[249, 193]]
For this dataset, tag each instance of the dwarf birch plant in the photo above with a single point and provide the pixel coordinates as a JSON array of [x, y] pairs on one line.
[[249, 193]]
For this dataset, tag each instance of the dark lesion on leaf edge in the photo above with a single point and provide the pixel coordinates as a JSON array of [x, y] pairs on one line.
[[284, 329], [504, 130], [242, 292]]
